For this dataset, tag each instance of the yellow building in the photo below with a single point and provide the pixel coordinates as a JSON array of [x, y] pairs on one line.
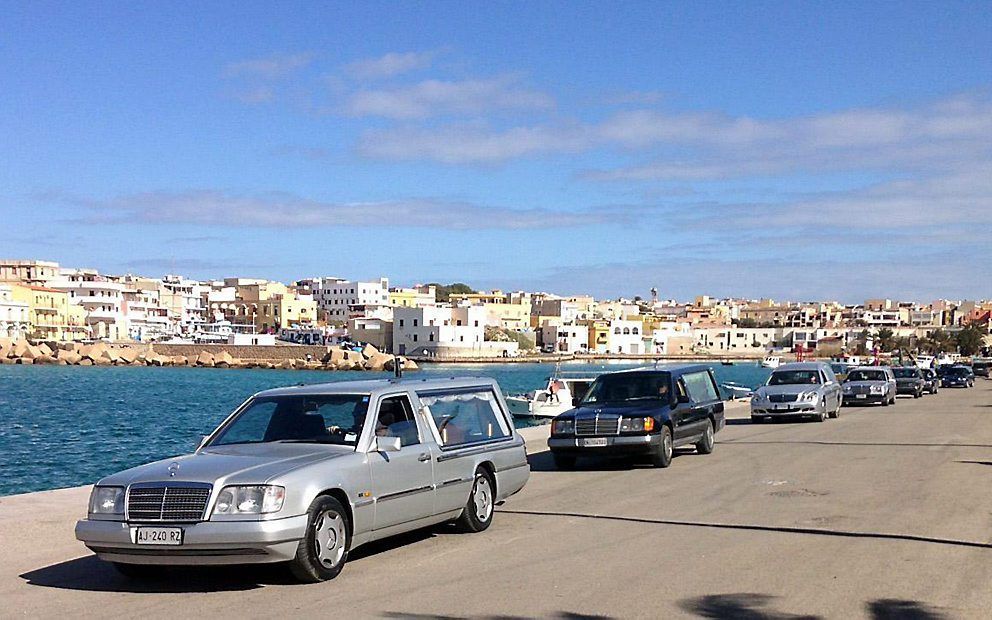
[[284, 311], [416, 297], [52, 316], [599, 336]]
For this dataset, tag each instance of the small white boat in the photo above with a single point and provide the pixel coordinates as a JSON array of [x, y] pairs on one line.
[[541, 404], [924, 361], [771, 361], [737, 390]]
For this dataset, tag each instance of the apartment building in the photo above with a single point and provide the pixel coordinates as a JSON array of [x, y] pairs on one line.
[[283, 311], [15, 315], [560, 337], [30, 272], [101, 298], [505, 310], [414, 297], [339, 300], [184, 300], [445, 332], [51, 315]]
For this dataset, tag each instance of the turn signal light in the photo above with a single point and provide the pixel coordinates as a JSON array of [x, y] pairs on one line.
[[649, 424]]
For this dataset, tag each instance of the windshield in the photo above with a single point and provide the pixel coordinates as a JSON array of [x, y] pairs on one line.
[[841, 368], [794, 377], [867, 375], [334, 418], [905, 373], [626, 387]]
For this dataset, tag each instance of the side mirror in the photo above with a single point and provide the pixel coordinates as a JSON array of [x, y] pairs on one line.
[[575, 401], [203, 441], [388, 444], [683, 398]]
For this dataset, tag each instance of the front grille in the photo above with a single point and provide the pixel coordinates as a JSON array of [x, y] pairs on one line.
[[783, 398], [598, 425], [167, 502], [861, 389]]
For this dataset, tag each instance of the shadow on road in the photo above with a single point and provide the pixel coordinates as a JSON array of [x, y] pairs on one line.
[[89, 573], [730, 442], [759, 528], [561, 615], [898, 609], [92, 574], [742, 606], [975, 462], [544, 462]]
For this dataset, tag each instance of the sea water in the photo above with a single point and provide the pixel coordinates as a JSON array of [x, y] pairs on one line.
[[63, 426]]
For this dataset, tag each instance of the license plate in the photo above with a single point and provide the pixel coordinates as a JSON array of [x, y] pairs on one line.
[[593, 442], [158, 536], [861, 396]]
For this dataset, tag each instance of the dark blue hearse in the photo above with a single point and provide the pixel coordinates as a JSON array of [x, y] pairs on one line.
[[646, 412]]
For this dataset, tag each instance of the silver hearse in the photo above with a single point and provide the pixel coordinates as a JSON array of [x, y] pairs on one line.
[[303, 475]]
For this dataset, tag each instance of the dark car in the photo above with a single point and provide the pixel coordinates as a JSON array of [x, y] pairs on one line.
[[909, 380], [644, 412], [931, 382], [955, 376], [981, 369]]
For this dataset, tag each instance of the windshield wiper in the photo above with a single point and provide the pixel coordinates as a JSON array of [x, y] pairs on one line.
[[312, 440]]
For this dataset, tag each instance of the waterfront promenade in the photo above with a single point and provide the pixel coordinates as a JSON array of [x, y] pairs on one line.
[[884, 512]]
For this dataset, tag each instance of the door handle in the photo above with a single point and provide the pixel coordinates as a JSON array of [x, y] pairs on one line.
[[423, 458]]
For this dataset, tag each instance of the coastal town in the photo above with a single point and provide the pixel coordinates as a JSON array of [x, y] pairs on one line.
[[45, 302]]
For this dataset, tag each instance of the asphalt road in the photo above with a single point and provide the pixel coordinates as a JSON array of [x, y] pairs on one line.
[[882, 513]]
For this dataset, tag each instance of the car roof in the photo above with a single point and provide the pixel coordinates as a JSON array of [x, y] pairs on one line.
[[675, 369], [801, 366], [871, 368], [369, 386]]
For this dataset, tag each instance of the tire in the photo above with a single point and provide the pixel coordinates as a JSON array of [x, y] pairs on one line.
[[563, 461], [836, 412], [139, 572], [706, 442], [663, 456], [478, 513], [323, 551], [886, 403]]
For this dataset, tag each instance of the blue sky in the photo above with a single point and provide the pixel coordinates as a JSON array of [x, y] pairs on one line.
[[794, 150]]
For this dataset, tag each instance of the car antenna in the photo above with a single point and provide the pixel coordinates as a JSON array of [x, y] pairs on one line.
[[397, 367]]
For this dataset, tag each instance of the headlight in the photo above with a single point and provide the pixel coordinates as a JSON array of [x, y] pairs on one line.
[[562, 427], [757, 397], [812, 396], [107, 501], [848, 389], [636, 425], [877, 389], [250, 500]]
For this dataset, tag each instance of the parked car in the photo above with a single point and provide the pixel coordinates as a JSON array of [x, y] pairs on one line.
[[304, 475], [798, 390], [909, 380], [643, 412], [931, 382], [870, 384], [956, 376], [981, 369]]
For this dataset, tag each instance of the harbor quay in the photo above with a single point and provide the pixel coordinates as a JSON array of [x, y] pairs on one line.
[[881, 513]]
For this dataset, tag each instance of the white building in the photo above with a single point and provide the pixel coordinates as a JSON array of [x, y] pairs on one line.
[[101, 298], [627, 337], [564, 338], [184, 300], [339, 300], [146, 318], [445, 332], [15, 316]]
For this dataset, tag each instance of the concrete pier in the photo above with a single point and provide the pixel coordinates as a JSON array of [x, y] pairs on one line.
[[882, 513]]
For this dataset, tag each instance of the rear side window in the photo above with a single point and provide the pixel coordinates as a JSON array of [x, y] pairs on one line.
[[700, 386], [466, 417]]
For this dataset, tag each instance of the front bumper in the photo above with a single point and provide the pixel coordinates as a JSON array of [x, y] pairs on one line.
[[865, 399], [620, 445], [954, 383], [204, 543], [909, 389], [796, 409]]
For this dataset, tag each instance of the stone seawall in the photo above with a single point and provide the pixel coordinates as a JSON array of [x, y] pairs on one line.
[[243, 351]]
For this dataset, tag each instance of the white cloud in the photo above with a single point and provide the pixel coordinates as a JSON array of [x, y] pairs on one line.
[[280, 210], [439, 97], [390, 65], [272, 67], [711, 145]]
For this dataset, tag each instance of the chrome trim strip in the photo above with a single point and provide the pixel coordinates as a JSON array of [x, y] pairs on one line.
[[364, 503], [479, 447], [454, 481], [517, 466], [384, 498]]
